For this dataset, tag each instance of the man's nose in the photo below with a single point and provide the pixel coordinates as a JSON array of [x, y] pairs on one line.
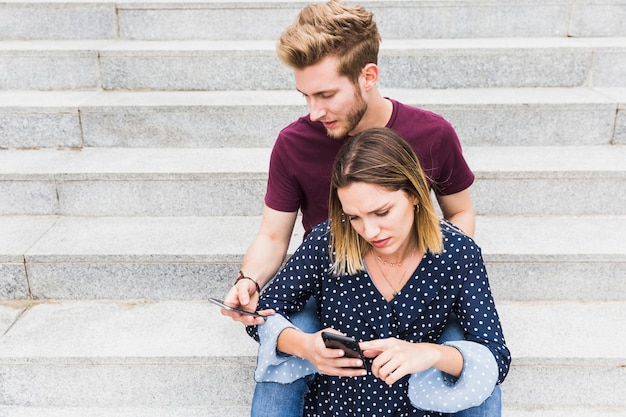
[[316, 109]]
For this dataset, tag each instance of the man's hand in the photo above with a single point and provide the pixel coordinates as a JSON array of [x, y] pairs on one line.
[[243, 295]]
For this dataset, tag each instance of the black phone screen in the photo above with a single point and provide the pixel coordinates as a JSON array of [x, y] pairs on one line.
[[349, 345]]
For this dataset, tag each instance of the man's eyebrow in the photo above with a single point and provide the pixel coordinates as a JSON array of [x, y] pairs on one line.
[[317, 93]]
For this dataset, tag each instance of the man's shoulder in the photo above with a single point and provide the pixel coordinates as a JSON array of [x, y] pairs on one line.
[[411, 112], [301, 128], [418, 125]]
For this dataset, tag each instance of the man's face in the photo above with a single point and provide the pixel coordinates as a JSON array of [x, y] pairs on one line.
[[332, 99]]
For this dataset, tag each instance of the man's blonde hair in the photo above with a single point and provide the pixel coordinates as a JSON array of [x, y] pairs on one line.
[[320, 30]]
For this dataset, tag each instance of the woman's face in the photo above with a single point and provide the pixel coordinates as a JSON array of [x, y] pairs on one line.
[[383, 218]]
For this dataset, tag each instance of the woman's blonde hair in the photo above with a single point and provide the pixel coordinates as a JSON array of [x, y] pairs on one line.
[[320, 30], [378, 156]]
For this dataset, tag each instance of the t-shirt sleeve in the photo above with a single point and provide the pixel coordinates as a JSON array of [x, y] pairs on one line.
[[282, 193], [455, 174]]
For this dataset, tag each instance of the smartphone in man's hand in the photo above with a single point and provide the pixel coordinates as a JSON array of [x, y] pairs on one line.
[[236, 310]]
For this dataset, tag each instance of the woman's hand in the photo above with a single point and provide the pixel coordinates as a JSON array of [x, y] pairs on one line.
[[396, 358], [311, 347]]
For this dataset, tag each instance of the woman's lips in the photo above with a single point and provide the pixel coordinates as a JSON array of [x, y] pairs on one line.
[[380, 243]]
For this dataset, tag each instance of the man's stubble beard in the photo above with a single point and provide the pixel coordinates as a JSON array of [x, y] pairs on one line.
[[353, 118]]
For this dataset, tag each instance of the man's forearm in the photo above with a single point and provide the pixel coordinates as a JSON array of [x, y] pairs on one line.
[[466, 221], [263, 259]]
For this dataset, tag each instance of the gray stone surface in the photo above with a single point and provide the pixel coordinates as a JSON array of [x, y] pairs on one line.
[[32, 119], [528, 281], [619, 95], [147, 411], [567, 238], [224, 65], [189, 119], [20, 233], [13, 282], [520, 116], [150, 258], [205, 21], [609, 65], [57, 20], [550, 339], [28, 196], [193, 65], [210, 20], [46, 65], [536, 62], [397, 19], [573, 170], [598, 18], [132, 331], [79, 354], [224, 181], [528, 258], [468, 19], [124, 354], [500, 117], [564, 332], [9, 312]]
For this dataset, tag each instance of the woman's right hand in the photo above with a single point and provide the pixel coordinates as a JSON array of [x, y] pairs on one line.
[[331, 361]]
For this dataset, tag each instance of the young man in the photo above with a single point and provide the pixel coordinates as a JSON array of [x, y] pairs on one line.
[[333, 51]]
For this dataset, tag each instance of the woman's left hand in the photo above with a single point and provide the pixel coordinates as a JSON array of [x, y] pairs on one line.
[[396, 358]]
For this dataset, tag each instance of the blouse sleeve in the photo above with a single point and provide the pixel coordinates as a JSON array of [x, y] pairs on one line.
[[273, 366], [435, 390], [477, 314], [289, 294]]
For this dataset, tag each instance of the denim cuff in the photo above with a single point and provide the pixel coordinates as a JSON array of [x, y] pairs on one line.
[[273, 366], [434, 390]]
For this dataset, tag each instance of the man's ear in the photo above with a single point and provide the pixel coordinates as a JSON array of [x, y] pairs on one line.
[[370, 76]]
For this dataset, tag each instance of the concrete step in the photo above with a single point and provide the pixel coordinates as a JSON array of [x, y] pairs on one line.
[[186, 357], [190, 258], [210, 20], [253, 65], [189, 119], [522, 180]]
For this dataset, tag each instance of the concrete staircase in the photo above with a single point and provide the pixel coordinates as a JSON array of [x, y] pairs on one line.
[[134, 146]]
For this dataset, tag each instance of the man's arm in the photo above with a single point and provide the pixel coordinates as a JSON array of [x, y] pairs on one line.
[[458, 209], [264, 256]]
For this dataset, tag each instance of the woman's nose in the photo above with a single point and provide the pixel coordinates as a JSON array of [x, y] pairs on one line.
[[370, 229]]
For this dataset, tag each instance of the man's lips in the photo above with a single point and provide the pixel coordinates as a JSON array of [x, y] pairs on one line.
[[330, 125], [380, 243]]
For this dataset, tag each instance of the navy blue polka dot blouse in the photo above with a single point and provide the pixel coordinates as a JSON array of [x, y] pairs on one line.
[[451, 283]]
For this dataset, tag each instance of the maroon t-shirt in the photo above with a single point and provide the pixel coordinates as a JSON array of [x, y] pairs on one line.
[[303, 155]]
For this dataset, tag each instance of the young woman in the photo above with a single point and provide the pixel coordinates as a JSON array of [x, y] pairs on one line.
[[385, 270]]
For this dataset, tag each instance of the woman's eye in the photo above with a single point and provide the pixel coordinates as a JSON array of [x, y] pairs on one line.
[[382, 213]]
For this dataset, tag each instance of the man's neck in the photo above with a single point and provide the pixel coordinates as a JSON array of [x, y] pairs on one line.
[[379, 110]]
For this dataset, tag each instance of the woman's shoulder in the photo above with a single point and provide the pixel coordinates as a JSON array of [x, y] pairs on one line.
[[453, 237], [321, 232]]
